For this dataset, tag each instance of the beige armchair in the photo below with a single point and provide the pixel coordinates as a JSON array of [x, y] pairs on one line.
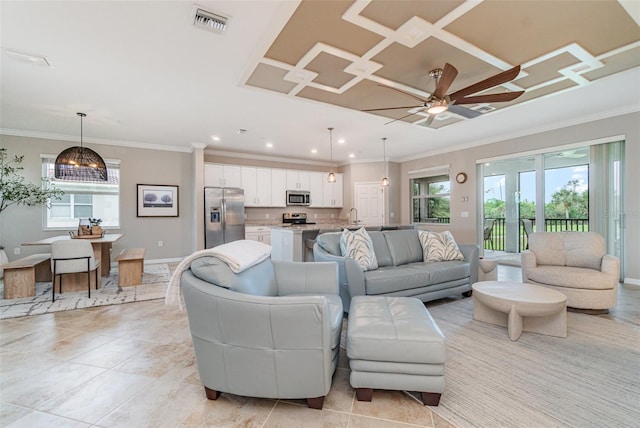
[[575, 264]]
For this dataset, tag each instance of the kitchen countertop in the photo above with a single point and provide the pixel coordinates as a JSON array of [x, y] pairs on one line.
[[333, 227]]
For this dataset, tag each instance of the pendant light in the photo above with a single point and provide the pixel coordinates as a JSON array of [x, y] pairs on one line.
[[385, 180], [79, 163], [331, 178]]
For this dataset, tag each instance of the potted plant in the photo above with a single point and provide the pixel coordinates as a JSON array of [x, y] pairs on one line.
[[96, 229], [14, 190]]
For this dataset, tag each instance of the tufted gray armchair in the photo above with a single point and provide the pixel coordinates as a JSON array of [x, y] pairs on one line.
[[270, 331]]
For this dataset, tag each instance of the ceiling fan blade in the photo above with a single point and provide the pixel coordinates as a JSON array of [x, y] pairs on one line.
[[498, 79], [403, 92], [490, 98], [392, 108], [400, 118], [444, 82], [463, 111]]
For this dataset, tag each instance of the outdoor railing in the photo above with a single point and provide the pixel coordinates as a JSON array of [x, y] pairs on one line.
[[497, 239]]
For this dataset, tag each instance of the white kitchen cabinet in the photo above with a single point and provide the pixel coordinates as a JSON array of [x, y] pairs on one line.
[[316, 180], [216, 175], [297, 180], [278, 188], [332, 192], [258, 233], [256, 183]]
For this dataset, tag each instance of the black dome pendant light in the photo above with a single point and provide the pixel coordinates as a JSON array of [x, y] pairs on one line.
[[79, 163]]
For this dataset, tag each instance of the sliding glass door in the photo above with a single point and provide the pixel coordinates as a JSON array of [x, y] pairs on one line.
[[551, 192]]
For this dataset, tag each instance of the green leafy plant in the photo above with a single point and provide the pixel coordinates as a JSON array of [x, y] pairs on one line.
[[15, 190], [95, 221]]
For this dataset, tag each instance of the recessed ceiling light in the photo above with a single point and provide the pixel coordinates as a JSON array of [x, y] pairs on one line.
[[269, 145], [351, 155], [341, 141], [314, 151], [215, 138]]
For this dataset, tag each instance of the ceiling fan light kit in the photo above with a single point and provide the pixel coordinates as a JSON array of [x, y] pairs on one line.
[[79, 163], [438, 107], [440, 101]]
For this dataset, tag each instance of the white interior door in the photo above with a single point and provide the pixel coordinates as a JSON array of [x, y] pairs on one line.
[[370, 204]]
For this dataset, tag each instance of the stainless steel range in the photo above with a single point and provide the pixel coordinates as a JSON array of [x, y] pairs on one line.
[[295, 218]]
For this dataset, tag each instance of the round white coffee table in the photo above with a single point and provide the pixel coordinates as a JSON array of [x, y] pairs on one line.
[[520, 307]]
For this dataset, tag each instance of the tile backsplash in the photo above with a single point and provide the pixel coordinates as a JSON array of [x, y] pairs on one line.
[[268, 216]]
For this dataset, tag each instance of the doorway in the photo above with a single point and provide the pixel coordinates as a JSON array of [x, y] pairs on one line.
[[370, 204]]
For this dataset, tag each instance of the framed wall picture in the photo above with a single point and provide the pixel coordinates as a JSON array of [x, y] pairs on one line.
[[156, 200]]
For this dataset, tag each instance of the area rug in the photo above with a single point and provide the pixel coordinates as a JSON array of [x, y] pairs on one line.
[[591, 378], [154, 285]]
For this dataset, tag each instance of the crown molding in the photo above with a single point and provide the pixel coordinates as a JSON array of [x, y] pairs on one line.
[[104, 141], [523, 133], [268, 158]]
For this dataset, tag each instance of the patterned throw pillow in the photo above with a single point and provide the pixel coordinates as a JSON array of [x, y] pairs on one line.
[[439, 247], [358, 246]]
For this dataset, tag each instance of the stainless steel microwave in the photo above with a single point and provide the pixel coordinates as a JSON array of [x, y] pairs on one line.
[[298, 197]]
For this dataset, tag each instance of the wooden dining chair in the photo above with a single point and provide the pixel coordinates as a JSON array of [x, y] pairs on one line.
[[72, 256]]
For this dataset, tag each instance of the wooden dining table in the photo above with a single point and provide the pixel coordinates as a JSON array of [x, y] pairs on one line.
[[101, 250]]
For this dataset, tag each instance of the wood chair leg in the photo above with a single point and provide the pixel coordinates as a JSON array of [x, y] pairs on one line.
[[211, 394], [315, 403], [430, 398], [364, 394]]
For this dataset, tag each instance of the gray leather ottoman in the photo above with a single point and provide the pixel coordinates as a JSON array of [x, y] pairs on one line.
[[394, 343]]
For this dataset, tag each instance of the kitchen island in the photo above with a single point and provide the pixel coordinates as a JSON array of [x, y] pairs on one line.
[[288, 242]]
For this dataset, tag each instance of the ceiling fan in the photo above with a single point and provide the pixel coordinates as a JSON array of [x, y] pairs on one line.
[[440, 102]]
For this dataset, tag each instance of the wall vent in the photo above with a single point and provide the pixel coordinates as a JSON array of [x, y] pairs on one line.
[[209, 21]]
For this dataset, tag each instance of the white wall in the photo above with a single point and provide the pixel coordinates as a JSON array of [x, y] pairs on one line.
[[465, 229]]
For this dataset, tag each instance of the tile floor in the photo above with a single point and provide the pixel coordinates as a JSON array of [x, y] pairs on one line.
[[133, 365]]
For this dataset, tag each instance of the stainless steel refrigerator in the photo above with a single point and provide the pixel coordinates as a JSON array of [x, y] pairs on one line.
[[223, 215]]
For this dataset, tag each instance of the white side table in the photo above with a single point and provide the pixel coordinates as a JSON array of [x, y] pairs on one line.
[[488, 270]]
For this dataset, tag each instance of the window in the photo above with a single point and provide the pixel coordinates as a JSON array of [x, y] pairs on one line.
[[83, 199], [430, 195]]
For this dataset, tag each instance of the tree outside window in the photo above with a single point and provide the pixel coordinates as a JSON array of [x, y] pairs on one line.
[[431, 199]]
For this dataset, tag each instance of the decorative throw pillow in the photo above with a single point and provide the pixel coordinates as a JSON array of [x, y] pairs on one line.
[[439, 247], [359, 246]]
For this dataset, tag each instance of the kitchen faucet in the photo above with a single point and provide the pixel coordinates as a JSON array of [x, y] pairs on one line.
[[350, 212]]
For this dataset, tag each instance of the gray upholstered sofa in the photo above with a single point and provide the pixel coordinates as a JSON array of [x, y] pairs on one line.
[[270, 331], [401, 271], [575, 264]]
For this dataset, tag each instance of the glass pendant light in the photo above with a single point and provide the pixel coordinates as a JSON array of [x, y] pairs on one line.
[[331, 178], [79, 163], [385, 180]]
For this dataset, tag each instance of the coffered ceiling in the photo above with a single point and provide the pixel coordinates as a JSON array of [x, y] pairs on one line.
[[286, 70], [351, 53]]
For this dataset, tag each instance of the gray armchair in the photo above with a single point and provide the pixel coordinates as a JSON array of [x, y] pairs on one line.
[[270, 331]]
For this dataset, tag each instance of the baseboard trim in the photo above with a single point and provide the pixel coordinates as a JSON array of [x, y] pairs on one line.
[[632, 281], [157, 261]]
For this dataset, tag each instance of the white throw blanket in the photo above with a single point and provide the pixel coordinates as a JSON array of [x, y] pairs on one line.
[[239, 255]]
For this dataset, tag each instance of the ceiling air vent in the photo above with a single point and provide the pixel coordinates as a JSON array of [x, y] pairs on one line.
[[484, 108], [209, 21]]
